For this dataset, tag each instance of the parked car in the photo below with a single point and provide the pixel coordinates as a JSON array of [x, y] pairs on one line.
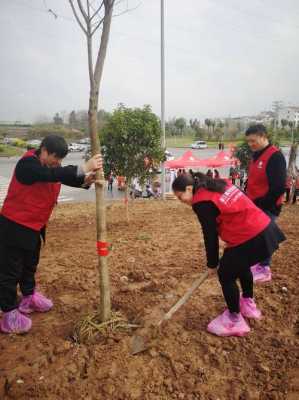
[[34, 143], [84, 141], [200, 144], [169, 156], [74, 147]]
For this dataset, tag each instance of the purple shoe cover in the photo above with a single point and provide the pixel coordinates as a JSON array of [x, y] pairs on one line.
[[15, 322], [228, 324], [35, 302], [261, 274], [249, 309]]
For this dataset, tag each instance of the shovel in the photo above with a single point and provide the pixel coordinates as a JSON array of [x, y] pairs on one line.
[[139, 343]]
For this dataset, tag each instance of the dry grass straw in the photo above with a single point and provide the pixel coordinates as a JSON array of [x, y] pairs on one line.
[[90, 328]]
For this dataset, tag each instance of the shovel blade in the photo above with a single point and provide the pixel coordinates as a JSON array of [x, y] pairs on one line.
[[138, 345]]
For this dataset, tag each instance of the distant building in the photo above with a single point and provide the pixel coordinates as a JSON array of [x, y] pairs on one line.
[[290, 114]]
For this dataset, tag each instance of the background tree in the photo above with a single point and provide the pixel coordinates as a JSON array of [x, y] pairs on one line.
[[73, 119], [220, 131], [180, 124], [284, 123], [90, 17], [103, 117], [198, 131], [57, 119], [132, 140], [208, 125], [213, 125]]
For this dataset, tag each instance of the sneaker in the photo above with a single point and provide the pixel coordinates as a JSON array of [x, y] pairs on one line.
[[249, 309], [35, 302], [261, 273], [229, 324], [15, 322]]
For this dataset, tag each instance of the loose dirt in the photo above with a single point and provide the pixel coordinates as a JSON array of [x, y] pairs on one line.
[[154, 260]]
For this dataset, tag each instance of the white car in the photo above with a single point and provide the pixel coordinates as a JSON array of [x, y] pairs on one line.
[[169, 156], [200, 144], [74, 147], [34, 143]]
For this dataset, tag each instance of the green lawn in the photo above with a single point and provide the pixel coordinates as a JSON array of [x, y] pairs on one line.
[[10, 151], [185, 141]]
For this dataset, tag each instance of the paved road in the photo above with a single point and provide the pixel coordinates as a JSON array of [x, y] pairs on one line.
[[69, 194]]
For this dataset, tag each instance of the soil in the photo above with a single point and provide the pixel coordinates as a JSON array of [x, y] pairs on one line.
[[154, 260]]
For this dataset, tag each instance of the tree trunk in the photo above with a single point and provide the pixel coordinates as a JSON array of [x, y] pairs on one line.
[[95, 80], [292, 169], [127, 200], [95, 75]]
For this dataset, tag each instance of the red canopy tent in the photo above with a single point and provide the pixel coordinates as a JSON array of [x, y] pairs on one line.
[[221, 159], [187, 160]]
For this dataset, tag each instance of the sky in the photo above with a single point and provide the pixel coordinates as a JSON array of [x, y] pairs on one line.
[[222, 58]]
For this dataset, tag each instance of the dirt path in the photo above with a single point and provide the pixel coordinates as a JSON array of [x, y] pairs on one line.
[[154, 260]]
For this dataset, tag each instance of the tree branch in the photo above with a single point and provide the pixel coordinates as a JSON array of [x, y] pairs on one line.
[[82, 11], [104, 42], [97, 26], [77, 17], [96, 11]]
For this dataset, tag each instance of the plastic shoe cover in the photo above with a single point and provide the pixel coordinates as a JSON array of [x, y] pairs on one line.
[[261, 273], [35, 302], [15, 322], [228, 324], [249, 309], [255, 269]]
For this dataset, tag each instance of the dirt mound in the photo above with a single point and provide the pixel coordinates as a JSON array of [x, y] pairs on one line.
[[154, 260]]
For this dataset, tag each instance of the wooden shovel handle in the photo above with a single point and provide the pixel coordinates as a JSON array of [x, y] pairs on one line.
[[186, 296]]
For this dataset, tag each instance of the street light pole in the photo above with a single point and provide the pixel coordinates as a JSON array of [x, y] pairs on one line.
[[163, 96]]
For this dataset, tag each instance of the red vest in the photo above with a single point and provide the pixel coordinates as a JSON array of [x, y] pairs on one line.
[[30, 205], [239, 219], [257, 185]]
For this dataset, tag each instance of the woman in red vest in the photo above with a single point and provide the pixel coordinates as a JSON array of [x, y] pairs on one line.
[[265, 185], [31, 197], [250, 236]]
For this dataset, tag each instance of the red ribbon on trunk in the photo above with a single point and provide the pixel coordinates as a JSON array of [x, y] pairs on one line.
[[103, 248]]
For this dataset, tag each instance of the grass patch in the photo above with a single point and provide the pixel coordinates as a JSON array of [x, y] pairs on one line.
[[10, 151], [185, 141]]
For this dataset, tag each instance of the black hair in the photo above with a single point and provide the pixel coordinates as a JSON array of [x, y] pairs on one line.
[[198, 180], [258, 129], [54, 145]]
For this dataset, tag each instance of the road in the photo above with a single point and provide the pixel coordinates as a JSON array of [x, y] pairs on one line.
[[69, 194]]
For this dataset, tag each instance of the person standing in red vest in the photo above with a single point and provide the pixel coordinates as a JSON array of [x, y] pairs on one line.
[[250, 236], [31, 197], [265, 185]]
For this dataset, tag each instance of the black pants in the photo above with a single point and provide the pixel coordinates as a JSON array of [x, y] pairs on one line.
[[267, 261], [17, 267], [230, 270]]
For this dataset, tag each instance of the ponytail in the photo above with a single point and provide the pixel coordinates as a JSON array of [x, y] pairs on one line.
[[197, 181]]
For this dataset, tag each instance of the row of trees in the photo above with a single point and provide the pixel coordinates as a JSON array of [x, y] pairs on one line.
[[79, 119], [211, 129]]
